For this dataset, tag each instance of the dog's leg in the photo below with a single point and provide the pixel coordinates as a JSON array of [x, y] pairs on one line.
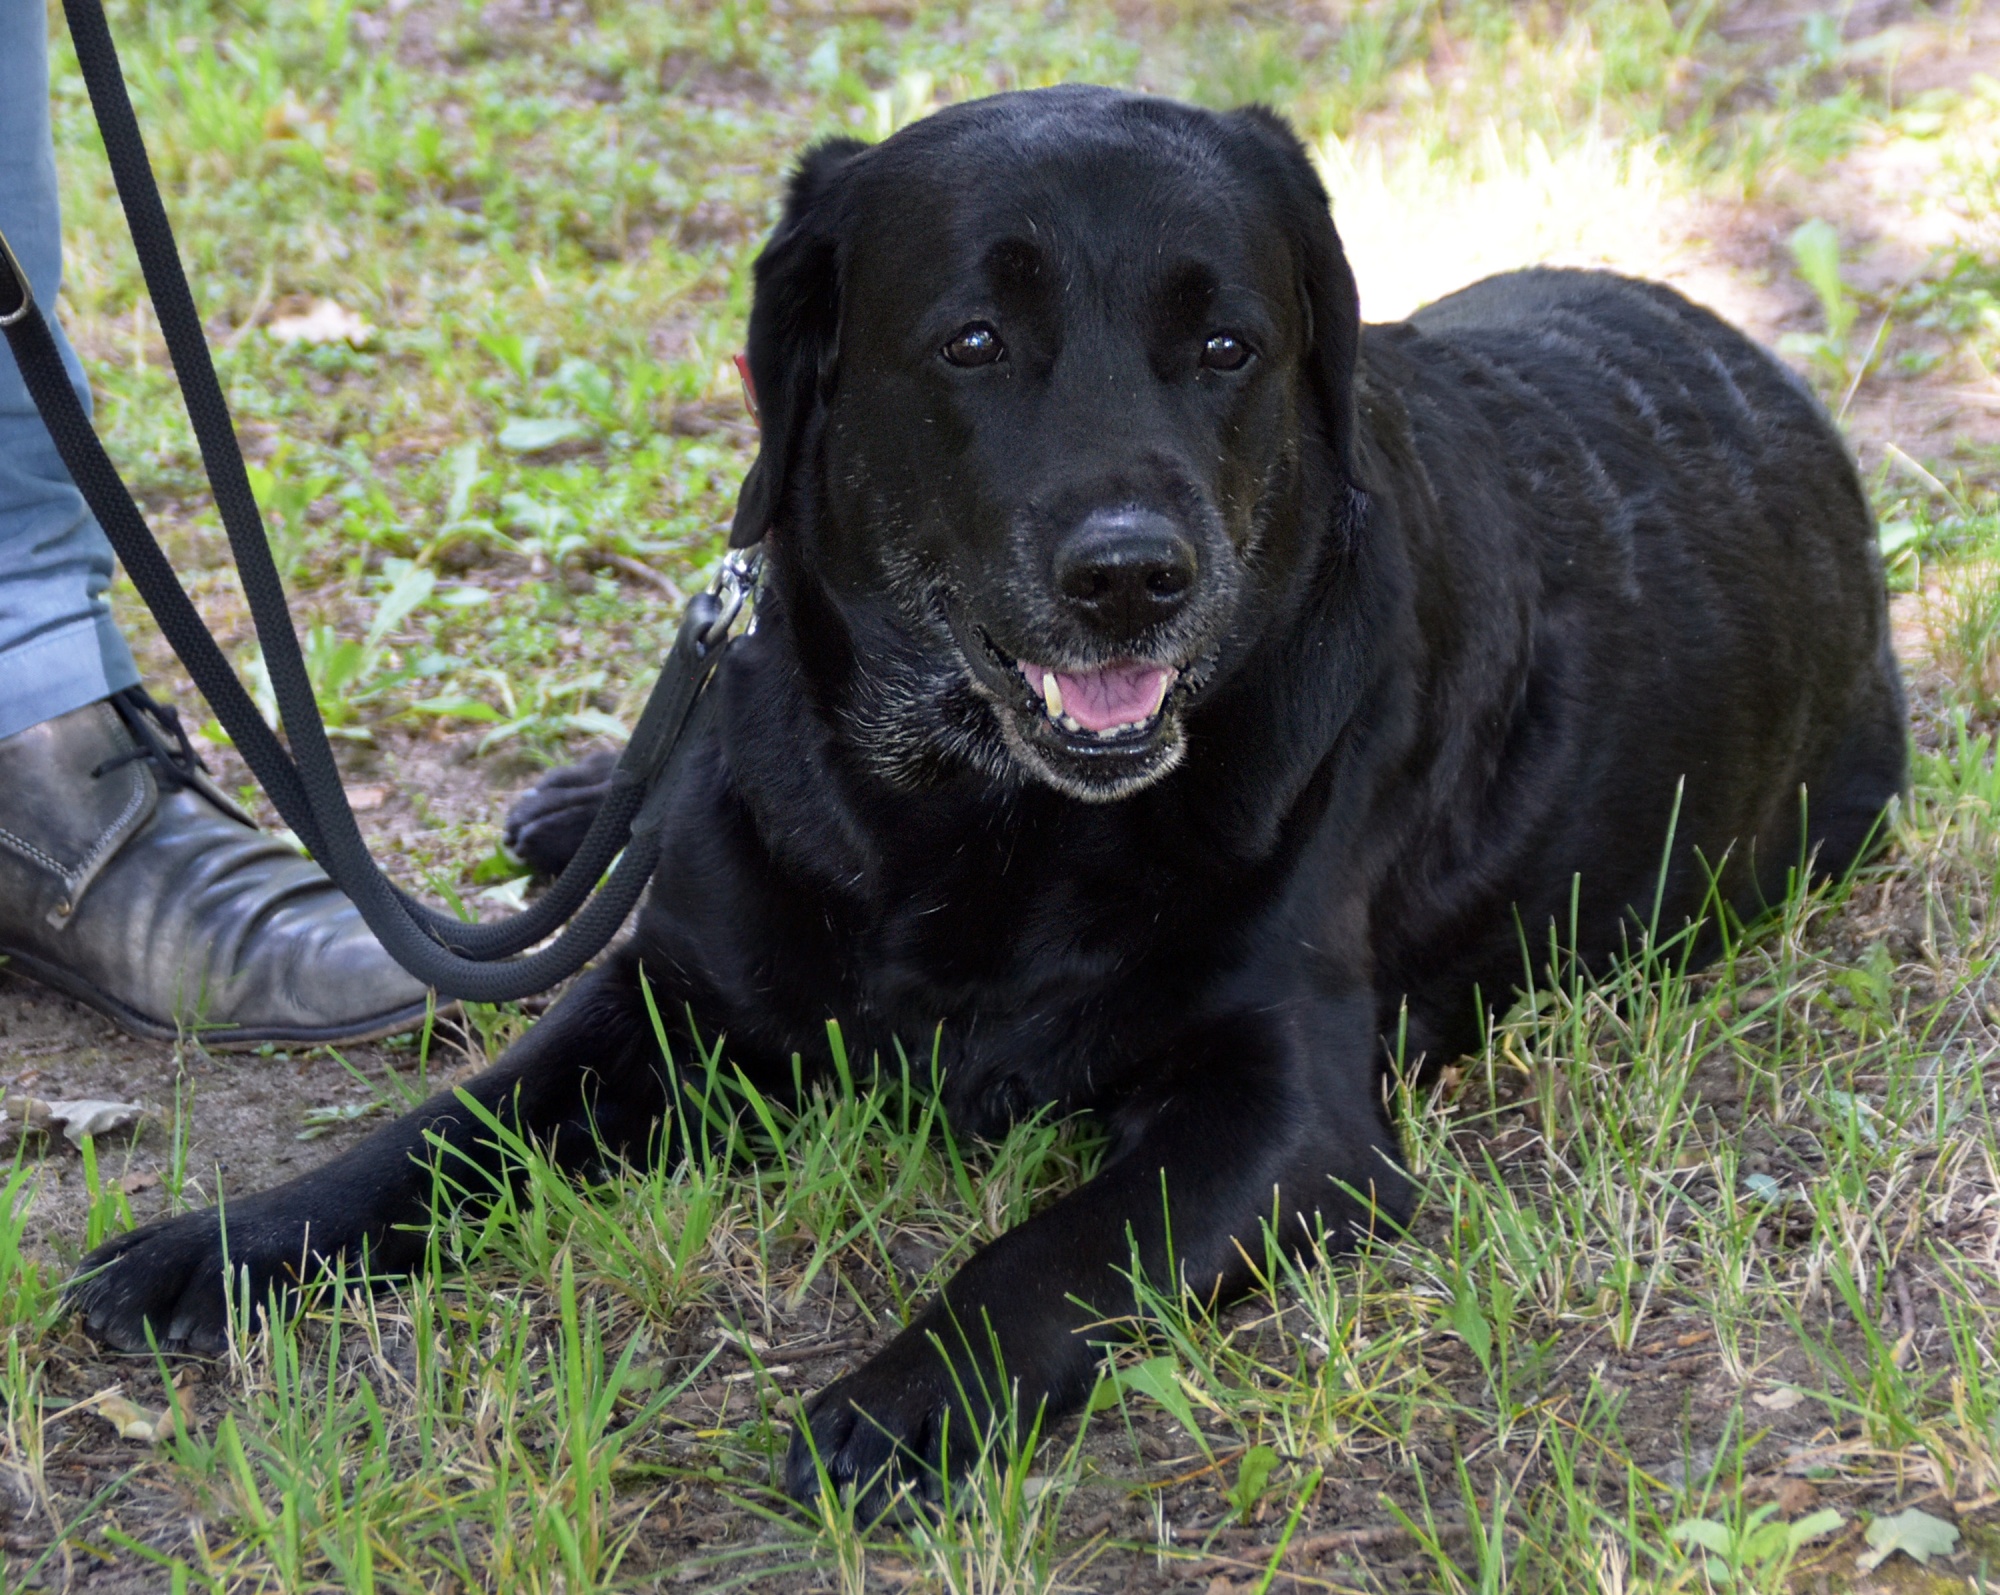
[[589, 1073], [1271, 1117], [548, 822]]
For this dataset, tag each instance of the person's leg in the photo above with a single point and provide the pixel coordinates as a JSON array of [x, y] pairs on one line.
[[59, 648], [126, 879]]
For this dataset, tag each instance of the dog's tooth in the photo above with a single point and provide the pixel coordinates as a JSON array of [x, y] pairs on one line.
[[1069, 723], [1108, 733], [1052, 696]]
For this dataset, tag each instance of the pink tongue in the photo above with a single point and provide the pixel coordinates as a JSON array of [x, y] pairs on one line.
[[1115, 695]]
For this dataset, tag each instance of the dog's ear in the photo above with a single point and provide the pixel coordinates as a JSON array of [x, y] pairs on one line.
[[1333, 308], [794, 330]]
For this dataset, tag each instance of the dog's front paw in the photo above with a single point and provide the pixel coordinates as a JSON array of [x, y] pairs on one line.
[[908, 1421], [171, 1275], [548, 822], [893, 1428]]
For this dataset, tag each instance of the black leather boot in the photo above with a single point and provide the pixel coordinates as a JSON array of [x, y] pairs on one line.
[[130, 882]]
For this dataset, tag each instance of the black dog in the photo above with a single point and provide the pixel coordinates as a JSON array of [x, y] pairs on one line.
[[1184, 697]]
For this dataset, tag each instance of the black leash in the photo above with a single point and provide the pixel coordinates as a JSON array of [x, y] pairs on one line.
[[474, 962]]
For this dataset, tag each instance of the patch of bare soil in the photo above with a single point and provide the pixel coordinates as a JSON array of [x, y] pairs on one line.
[[244, 1113], [1898, 222]]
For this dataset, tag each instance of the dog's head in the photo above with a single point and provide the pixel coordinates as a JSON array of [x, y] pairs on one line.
[[1057, 398]]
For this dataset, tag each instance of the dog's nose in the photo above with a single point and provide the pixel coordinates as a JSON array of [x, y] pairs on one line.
[[1126, 569]]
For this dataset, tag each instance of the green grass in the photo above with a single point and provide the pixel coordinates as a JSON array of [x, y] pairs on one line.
[[1704, 1281]]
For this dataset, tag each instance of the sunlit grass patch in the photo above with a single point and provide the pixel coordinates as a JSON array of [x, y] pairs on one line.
[[1415, 228]]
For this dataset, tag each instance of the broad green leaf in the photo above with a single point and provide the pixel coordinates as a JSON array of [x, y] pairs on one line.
[[595, 722], [1156, 1377], [263, 484], [531, 434], [1859, 1112], [1894, 536], [465, 475], [1469, 1320], [1816, 247], [515, 352], [507, 728], [512, 895], [1705, 1532], [1253, 1473], [1917, 1535], [412, 585], [457, 707], [332, 662], [1824, 1521]]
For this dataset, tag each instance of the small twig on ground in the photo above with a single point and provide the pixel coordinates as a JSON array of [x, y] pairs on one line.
[[258, 306], [646, 573]]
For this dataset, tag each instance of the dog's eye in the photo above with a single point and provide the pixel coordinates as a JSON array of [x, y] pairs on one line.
[[1225, 352], [976, 345]]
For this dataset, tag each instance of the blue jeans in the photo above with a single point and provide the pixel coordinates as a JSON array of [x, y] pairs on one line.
[[59, 647]]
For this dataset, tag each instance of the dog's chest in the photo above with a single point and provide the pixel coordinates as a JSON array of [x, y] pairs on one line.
[[1040, 949], [1012, 964], [1036, 973]]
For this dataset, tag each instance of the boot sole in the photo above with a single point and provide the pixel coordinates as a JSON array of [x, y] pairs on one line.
[[217, 1038]]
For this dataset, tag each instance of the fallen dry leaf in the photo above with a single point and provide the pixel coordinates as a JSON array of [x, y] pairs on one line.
[[78, 1117], [133, 1422], [326, 322], [1781, 1399], [88, 1116], [179, 1415], [1796, 1497]]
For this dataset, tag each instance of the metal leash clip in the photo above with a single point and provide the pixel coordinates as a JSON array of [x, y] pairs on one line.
[[734, 588], [17, 294]]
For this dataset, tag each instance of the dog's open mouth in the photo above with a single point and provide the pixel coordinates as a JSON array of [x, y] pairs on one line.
[[1109, 703], [1101, 714], [1096, 731]]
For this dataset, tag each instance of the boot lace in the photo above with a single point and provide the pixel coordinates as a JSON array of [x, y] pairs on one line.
[[172, 756]]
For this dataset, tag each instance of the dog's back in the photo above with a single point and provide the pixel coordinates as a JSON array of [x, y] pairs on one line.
[[1668, 617]]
